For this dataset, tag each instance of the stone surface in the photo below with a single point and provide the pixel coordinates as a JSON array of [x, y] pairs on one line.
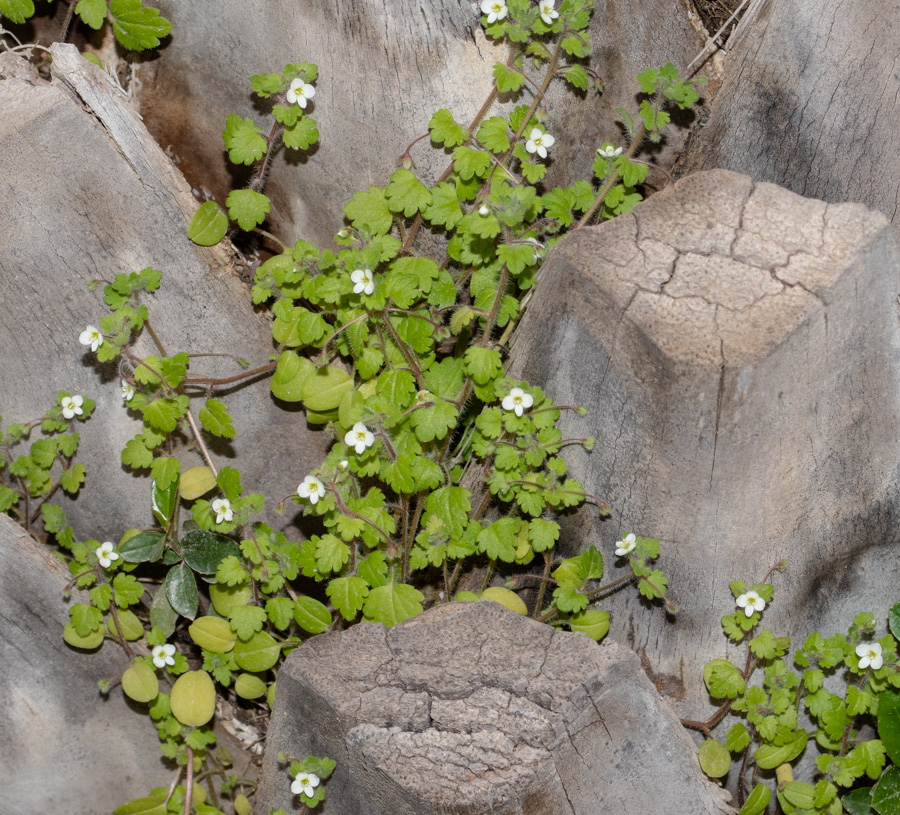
[[384, 69], [470, 708], [738, 349], [95, 197], [810, 102]]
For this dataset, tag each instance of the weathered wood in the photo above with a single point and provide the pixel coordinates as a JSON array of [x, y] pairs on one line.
[[470, 708], [384, 69], [810, 101], [95, 196], [738, 349]]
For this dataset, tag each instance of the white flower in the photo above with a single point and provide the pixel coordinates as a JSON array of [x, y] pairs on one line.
[[127, 391], [495, 10], [538, 142], [608, 151], [517, 400], [365, 282], [484, 209], [626, 545], [71, 406], [548, 13], [359, 437], [300, 92], [311, 488], [222, 508], [163, 655], [343, 464], [106, 554], [869, 654], [751, 602], [305, 783], [91, 336]]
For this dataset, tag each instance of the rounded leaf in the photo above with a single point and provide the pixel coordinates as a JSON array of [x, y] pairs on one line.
[[209, 225], [213, 634], [769, 756], [311, 615], [466, 597], [723, 680], [325, 387], [92, 640], [757, 801], [593, 622], [242, 805], [140, 683], [257, 654], [314, 417], [143, 547], [350, 409], [507, 598], [181, 590], [290, 375], [132, 627], [715, 760], [225, 598], [203, 551], [249, 686], [193, 698], [150, 805], [886, 792], [270, 696], [196, 481], [889, 723]]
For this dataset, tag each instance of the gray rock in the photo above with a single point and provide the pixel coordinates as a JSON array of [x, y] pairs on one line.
[[94, 197], [738, 349], [470, 708]]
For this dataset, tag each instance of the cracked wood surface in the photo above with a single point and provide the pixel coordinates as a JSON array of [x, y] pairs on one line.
[[470, 708], [94, 197], [738, 349], [810, 102]]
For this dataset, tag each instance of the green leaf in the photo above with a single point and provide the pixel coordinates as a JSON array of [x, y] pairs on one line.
[[569, 600], [165, 471], [247, 620], [43, 453], [348, 595], [128, 589], [590, 565], [249, 686], [203, 551], [715, 760], [483, 364], [435, 421], [470, 163], [889, 723], [577, 77], [149, 805], [886, 793], [723, 680], [593, 622], [181, 590], [248, 207], [543, 534], [92, 13], [243, 140], [757, 801], [18, 11], [444, 209], [140, 683], [769, 756], [302, 134], [392, 603], [494, 134], [85, 618], [215, 419], [738, 738], [72, 479], [311, 615], [258, 653], [498, 541], [508, 79], [406, 193], [444, 129], [137, 27], [324, 388], [163, 414], [373, 569], [209, 225], [280, 611], [291, 372], [369, 211], [213, 634]]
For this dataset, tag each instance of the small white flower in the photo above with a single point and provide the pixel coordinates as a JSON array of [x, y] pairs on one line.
[[91, 336], [163, 655], [300, 92], [305, 783], [106, 554], [127, 391], [223, 510], [751, 602], [365, 282], [518, 401], [608, 151], [311, 488], [495, 10], [538, 142], [484, 209], [869, 654], [626, 545], [359, 437], [71, 406], [343, 464], [548, 13]]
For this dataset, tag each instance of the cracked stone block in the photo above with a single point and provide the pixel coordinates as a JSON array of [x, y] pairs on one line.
[[471, 708], [738, 350], [94, 197]]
